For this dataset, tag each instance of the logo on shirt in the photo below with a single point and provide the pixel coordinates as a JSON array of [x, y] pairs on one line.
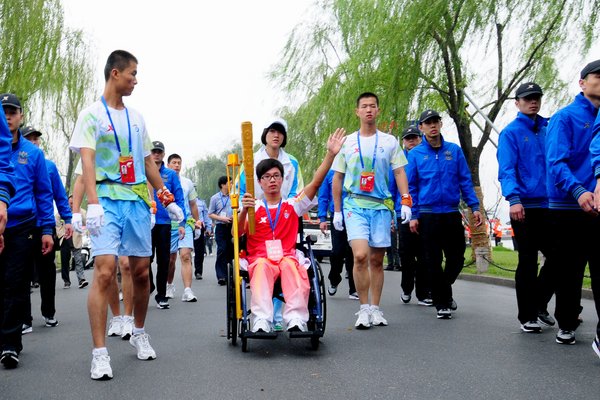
[[381, 150], [527, 138], [356, 150], [136, 128], [23, 157], [109, 128], [426, 157], [286, 214], [587, 125], [165, 177], [448, 155], [263, 220]]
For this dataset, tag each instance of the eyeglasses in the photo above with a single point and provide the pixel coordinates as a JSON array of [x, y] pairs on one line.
[[268, 178]]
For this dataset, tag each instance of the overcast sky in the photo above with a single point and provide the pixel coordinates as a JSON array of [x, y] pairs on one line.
[[202, 65]]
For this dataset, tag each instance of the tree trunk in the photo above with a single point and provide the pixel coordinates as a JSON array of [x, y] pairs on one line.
[[480, 239]]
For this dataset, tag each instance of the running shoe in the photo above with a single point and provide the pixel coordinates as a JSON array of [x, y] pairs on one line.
[[596, 345], [332, 290], [377, 318], [444, 313], [297, 325], [170, 293], [353, 296], [115, 327], [26, 329], [426, 302], [364, 319], [531, 327], [83, 283], [405, 298], [278, 327], [565, 337], [101, 369], [10, 359], [126, 327], [51, 322], [545, 318], [141, 342], [261, 325], [188, 296]]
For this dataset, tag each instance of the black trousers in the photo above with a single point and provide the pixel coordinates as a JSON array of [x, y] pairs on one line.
[[224, 249], [576, 239], [15, 275], [415, 273], [341, 253], [46, 271], [199, 253], [161, 246], [443, 236], [533, 291]]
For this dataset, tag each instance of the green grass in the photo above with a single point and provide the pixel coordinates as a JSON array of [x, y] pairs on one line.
[[507, 259]]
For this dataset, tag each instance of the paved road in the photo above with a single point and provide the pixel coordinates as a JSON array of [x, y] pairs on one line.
[[479, 354]]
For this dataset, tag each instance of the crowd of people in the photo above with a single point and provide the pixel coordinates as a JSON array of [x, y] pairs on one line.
[[373, 193]]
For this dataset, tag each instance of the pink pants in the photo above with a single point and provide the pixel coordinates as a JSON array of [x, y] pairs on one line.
[[294, 283]]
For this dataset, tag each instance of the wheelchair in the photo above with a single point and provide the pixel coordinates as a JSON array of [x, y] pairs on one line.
[[240, 328]]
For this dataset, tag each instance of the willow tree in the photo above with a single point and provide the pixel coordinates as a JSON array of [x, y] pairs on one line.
[[76, 90], [425, 53], [48, 66]]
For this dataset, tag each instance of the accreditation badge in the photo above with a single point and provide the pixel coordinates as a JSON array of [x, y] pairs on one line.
[[274, 250], [367, 181], [127, 169]]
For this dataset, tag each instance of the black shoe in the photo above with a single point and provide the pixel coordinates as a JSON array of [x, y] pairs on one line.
[[222, 282], [444, 313], [546, 318], [162, 304], [83, 283], [10, 359], [531, 327], [453, 306], [565, 337], [35, 285], [67, 285], [198, 276]]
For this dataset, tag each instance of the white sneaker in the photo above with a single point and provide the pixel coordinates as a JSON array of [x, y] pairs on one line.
[[188, 296], [377, 318], [364, 319], [261, 325], [115, 327], [142, 344], [126, 327], [296, 325], [101, 369], [170, 293]]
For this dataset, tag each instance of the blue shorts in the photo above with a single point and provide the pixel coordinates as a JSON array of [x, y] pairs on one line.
[[186, 243], [368, 224], [126, 230]]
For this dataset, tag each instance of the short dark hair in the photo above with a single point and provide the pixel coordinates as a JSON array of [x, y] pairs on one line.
[[119, 59], [172, 156], [366, 95], [222, 181], [266, 165]]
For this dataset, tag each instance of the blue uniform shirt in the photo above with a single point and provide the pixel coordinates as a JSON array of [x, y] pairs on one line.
[[7, 175], [326, 197], [521, 161], [437, 178], [203, 214], [568, 157], [595, 147], [33, 192], [171, 181], [59, 193]]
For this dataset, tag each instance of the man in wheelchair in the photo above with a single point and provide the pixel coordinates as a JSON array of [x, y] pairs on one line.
[[271, 250]]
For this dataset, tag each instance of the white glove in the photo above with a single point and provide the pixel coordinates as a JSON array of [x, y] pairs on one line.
[[338, 221], [77, 222], [95, 219], [152, 221], [175, 212], [405, 214], [197, 233]]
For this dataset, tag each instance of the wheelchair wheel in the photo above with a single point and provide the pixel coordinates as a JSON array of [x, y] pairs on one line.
[[323, 296], [314, 342], [232, 323]]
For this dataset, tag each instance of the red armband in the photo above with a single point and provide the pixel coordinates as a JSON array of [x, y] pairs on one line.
[[165, 196], [406, 200]]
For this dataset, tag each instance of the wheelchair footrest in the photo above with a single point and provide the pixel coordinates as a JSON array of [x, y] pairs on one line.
[[259, 335], [308, 334]]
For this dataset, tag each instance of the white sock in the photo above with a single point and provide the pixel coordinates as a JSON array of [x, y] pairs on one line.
[[365, 307], [138, 331], [373, 308], [100, 351], [127, 318]]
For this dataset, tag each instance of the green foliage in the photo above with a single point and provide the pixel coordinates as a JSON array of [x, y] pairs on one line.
[[49, 67], [423, 53], [207, 171]]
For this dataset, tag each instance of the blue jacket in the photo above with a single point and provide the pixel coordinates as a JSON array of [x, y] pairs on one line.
[[7, 173], [58, 192], [595, 147], [172, 182], [437, 178], [522, 161], [568, 157], [326, 197], [33, 191]]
